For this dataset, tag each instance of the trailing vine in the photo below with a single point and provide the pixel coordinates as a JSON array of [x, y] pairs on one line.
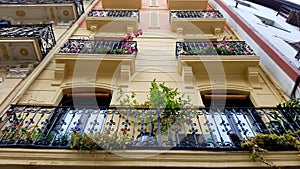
[[259, 144]]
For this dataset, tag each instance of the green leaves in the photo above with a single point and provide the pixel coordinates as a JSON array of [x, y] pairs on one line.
[[95, 141], [162, 96], [293, 103], [126, 99], [257, 144]]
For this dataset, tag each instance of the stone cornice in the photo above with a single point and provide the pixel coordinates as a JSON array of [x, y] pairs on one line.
[[24, 158]]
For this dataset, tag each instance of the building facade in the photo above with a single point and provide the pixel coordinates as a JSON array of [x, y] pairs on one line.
[[99, 75]]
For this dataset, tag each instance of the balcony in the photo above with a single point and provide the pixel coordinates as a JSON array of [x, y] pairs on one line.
[[42, 11], [187, 129], [238, 48], [211, 60], [25, 43], [109, 21], [78, 46], [124, 4], [109, 57], [187, 4], [209, 23]]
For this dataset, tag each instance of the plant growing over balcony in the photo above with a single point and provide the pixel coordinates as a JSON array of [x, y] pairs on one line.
[[293, 103], [260, 144], [166, 100], [99, 140], [290, 114], [169, 99], [224, 47], [127, 47], [17, 131]]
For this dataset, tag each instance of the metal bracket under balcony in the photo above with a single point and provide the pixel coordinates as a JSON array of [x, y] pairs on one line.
[[113, 21], [25, 43], [42, 11], [193, 129]]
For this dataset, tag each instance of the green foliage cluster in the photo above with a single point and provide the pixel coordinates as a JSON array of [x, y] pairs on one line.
[[17, 130], [126, 99], [98, 140], [162, 96], [225, 51], [293, 103], [259, 144], [205, 51]]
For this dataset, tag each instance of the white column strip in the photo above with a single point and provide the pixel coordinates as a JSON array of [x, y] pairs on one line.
[[154, 19]]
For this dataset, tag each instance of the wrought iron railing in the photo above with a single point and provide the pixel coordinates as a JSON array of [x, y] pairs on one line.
[[79, 46], [115, 13], [196, 14], [213, 48], [78, 3], [43, 33], [129, 128]]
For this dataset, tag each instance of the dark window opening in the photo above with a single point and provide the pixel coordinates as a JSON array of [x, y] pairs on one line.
[[226, 100], [295, 45], [86, 100]]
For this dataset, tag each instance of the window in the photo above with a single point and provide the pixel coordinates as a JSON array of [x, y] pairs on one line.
[[86, 99], [226, 100]]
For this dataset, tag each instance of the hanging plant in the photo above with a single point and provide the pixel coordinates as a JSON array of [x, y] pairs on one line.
[[260, 144]]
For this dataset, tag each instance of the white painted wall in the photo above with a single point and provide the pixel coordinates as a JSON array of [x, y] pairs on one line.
[[269, 34]]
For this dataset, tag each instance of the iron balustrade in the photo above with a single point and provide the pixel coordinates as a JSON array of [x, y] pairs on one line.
[[115, 13], [194, 129], [78, 3], [196, 14], [42, 32], [79, 46], [213, 48]]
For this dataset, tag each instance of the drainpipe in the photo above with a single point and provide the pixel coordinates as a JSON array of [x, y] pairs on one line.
[[297, 82]]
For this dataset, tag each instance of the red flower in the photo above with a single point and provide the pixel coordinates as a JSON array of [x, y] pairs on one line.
[[123, 46], [224, 38]]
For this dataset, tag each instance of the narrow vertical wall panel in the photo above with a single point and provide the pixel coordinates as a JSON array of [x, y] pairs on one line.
[[154, 19]]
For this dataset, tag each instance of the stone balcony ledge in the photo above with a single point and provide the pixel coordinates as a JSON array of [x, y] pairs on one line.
[[42, 11], [117, 21]]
